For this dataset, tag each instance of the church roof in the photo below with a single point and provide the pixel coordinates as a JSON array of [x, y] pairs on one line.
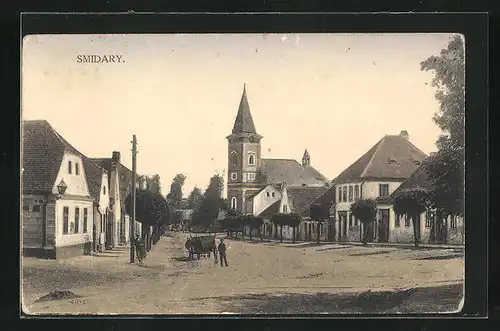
[[393, 157], [291, 172], [306, 155], [244, 122]]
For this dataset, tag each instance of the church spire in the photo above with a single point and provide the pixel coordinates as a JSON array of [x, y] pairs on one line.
[[244, 121], [306, 159]]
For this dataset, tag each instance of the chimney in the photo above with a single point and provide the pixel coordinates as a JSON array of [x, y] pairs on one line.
[[404, 134], [116, 157]]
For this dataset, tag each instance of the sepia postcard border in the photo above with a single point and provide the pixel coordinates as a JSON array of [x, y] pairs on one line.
[[472, 25]]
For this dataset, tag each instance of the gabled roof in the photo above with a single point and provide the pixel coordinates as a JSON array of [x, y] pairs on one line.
[[125, 180], [94, 174], [293, 173], [271, 210], [244, 122], [420, 178], [393, 157], [254, 194], [301, 198]]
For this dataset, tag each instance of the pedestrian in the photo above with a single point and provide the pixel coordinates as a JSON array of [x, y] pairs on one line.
[[222, 252]]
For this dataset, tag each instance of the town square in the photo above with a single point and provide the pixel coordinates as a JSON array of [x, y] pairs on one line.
[[246, 174]]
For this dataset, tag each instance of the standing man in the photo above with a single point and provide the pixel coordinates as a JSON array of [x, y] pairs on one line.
[[222, 252]]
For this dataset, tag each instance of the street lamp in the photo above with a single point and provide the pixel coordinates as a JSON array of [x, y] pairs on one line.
[[61, 188]]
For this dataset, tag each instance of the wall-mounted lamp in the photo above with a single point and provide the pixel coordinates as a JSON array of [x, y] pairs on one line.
[[61, 188]]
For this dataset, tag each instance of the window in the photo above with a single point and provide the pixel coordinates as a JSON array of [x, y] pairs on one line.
[[70, 169], [351, 193], [344, 194], [77, 219], [351, 219], [234, 159], [85, 217], [453, 221], [104, 190], [251, 176], [36, 208], [356, 192], [234, 176], [383, 190], [397, 221], [340, 194], [429, 219], [285, 208], [251, 159], [233, 203], [26, 206], [65, 220], [272, 194], [77, 169], [267, 194], [407, 221]]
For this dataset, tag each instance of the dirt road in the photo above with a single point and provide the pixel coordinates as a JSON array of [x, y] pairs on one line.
[[261, 278]]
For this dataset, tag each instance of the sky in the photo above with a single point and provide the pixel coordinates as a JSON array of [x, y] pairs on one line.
[[335, 94]]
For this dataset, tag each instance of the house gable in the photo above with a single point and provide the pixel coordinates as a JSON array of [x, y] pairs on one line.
[[76, 182], [265, 198]]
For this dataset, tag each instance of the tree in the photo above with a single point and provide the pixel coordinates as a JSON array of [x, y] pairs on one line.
[[365, 210], [194, 198], [318, 213], [151, 210], [411, 202], [208, 208], [293, 220], [175, 195], [446, 169], [253, 223], [279, 219]]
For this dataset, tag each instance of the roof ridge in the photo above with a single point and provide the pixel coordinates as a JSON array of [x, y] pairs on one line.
[[380, 142]]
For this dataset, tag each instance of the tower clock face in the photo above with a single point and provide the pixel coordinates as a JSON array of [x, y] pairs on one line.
[[251, 139]]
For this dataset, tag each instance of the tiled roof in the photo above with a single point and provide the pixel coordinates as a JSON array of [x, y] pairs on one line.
[[125, 180], [292, 172], [94, 174], [393, 157], [244, 121], [271, 210], [42, 154], [419, 178], [301, 198]]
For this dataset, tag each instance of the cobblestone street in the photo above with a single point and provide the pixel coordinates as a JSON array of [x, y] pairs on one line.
[[262, 277]]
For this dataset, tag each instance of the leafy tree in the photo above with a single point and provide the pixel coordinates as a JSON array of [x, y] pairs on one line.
[[151, 210], [253, 222], [175, 195], [318, 213], [194, 198], [208, 208], [411, 202], [365, 210], [293, 220], [446, 168], [280, 219]]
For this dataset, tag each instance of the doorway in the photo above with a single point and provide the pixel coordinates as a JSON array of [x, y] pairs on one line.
[[342, 225], [383, 225]]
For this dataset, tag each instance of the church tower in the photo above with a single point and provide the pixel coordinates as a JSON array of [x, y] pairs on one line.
[[244, 155]]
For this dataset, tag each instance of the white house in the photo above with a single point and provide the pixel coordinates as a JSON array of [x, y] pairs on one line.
[[57, 207], [375, 175]]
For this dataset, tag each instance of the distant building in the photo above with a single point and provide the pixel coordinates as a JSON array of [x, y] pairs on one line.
[[249, 174]]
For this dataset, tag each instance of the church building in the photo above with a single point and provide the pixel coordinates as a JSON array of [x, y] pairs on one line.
[[249, 174]]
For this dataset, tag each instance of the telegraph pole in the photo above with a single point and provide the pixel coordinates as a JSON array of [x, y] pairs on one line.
[[132, 220]]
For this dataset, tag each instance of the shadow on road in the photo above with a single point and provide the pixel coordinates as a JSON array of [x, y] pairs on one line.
[[441, 257], [419, 300], [370, 253]]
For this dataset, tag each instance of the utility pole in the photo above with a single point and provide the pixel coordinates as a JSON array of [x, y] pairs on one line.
[[132, 220]]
